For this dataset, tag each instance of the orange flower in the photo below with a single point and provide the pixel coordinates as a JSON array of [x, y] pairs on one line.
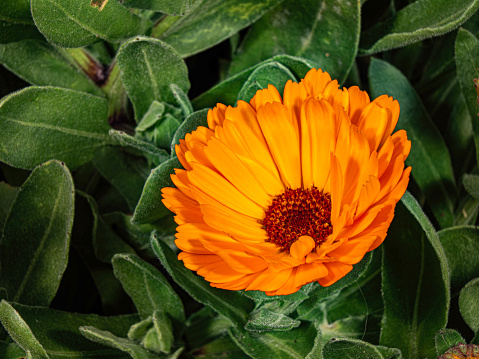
[[282, 192]]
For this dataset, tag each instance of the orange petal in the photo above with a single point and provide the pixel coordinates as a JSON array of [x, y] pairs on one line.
[[352, 252], [301, 247], [358, 100], [267, 95], [216, 116], [336, 271], [243, 262], [309, 272], [269, 280]]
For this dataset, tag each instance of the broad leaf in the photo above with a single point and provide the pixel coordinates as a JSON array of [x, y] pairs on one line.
[[148, 67], [56, 333], [320, 31], [36, 239], [230, 304], [150, 208], [469, 304], [446, 339], [73, 124], [147, 287], [211, 21], [415, 283], [339, 348], [429, 157], [16, 21], [76, 23], [421, 19], [461, 245], [175, 8], [302, 342], [53, 66], [467, 64]]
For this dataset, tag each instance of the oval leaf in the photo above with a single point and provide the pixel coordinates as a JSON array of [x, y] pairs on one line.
[[148, 67], [322, 32], [429, 157], [76, 23], [420, 20], [469, 304], [16, 22], [73, 124], [446, 339], [415, 283], [36, 238], [339, 348]]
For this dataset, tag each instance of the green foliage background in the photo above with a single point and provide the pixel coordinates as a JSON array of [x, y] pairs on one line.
[[95, 95]]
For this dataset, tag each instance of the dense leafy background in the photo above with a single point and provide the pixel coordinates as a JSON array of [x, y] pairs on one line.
[[95, 95]]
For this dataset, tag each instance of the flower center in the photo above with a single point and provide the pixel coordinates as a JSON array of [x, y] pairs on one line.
[[298, 212]]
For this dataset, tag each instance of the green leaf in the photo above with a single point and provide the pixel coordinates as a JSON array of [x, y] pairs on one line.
[[76, 23], [461, 245], [320, 293], [211, 21], [148, 67], [190, 124], [7, 196], [53, 66], [429, 157], [467, 63], [469, 304], [175, 8], [11, 351], [272, 73], [446, 339], [20, 332], [16, 21], [268, 321], [147, 287], [227, 91], [230, 304], [159, 339], [471, 184], [300, 343], [56, 332], [147, 148], [420, 20], [415, 283], [36, 238], [54, 123], [136, 351], [319, 31], [150, 208], [182, 100], [122, 171], [339, 348]]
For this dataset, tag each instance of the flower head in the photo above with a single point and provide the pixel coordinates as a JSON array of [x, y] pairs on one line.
[[283, 191], [462, 351]]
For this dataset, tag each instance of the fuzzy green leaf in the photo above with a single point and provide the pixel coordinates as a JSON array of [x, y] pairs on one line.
[[53, 66], [446, 339], [36, 239], [7, 196], [129, 141], [415, 283], [320, 31], [11, 351], [211, 21], [148, 67], [339, 348], [471, 184], [54, 123], [429, 156], [230, 304], [467, 64], [76, 23], [267, 321], [190, 124], [175, 7], [469, 304], [420, 20], [16, 21], [461, 245]]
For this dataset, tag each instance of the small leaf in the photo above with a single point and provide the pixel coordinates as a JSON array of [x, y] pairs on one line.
[[339, 348], [429, 157], [36, 238], [143, 146], [16, 22], [471, 184], [420, 20], [324, 33], [150, 208], [302, 342], [461, 245], [147, 287], [159, 339], [210, 22], [469, 304], [467, 64], [190, 124], [175, 8], [182, 99], [230, 304], [53, 66], [106, 338], [269, 321], [415, 283], [73, 124], [75, 23], [446, 339], [148, 67], [20, 332]]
